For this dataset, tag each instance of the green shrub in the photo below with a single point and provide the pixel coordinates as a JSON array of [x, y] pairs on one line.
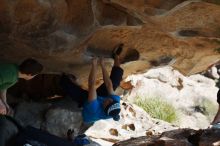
[[158, 108]]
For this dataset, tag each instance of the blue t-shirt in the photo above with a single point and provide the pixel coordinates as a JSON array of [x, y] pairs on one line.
[[93, 111]]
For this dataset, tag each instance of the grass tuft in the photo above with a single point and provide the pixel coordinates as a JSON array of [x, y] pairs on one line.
[[158, 108]]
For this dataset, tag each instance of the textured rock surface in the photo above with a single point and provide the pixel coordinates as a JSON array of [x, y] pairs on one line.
[[181, 137], [134, 122], [58, 32], [186, 94], [50, 116], [183, 33], [210, 137]]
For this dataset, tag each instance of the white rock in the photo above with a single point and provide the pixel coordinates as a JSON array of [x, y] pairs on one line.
[[182, 92], [134, 122], [67, 119]]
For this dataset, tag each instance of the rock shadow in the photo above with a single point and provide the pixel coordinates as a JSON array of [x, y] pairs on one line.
[[131, 55]]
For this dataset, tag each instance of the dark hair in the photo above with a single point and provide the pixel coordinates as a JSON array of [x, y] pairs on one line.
[[113, 110], [30, 66]]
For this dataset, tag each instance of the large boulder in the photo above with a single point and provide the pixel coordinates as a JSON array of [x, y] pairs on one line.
[[58, 33]]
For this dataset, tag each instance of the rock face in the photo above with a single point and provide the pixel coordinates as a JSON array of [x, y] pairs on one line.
[[134, 122], [183, 137], [195, 111], [50, 116], [196, 108], [65, 34], [58, 32]]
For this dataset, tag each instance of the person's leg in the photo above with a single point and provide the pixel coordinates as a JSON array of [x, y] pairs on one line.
[[8, 131], [106, 78], [34, 136], [92, 95], [115, 76], [78, 94], [116, 73]]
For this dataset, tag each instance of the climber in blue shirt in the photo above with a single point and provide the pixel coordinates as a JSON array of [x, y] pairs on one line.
[[100, 107], [100, 103]]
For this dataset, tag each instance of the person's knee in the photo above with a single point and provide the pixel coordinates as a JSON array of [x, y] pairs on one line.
[[7, 130]]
